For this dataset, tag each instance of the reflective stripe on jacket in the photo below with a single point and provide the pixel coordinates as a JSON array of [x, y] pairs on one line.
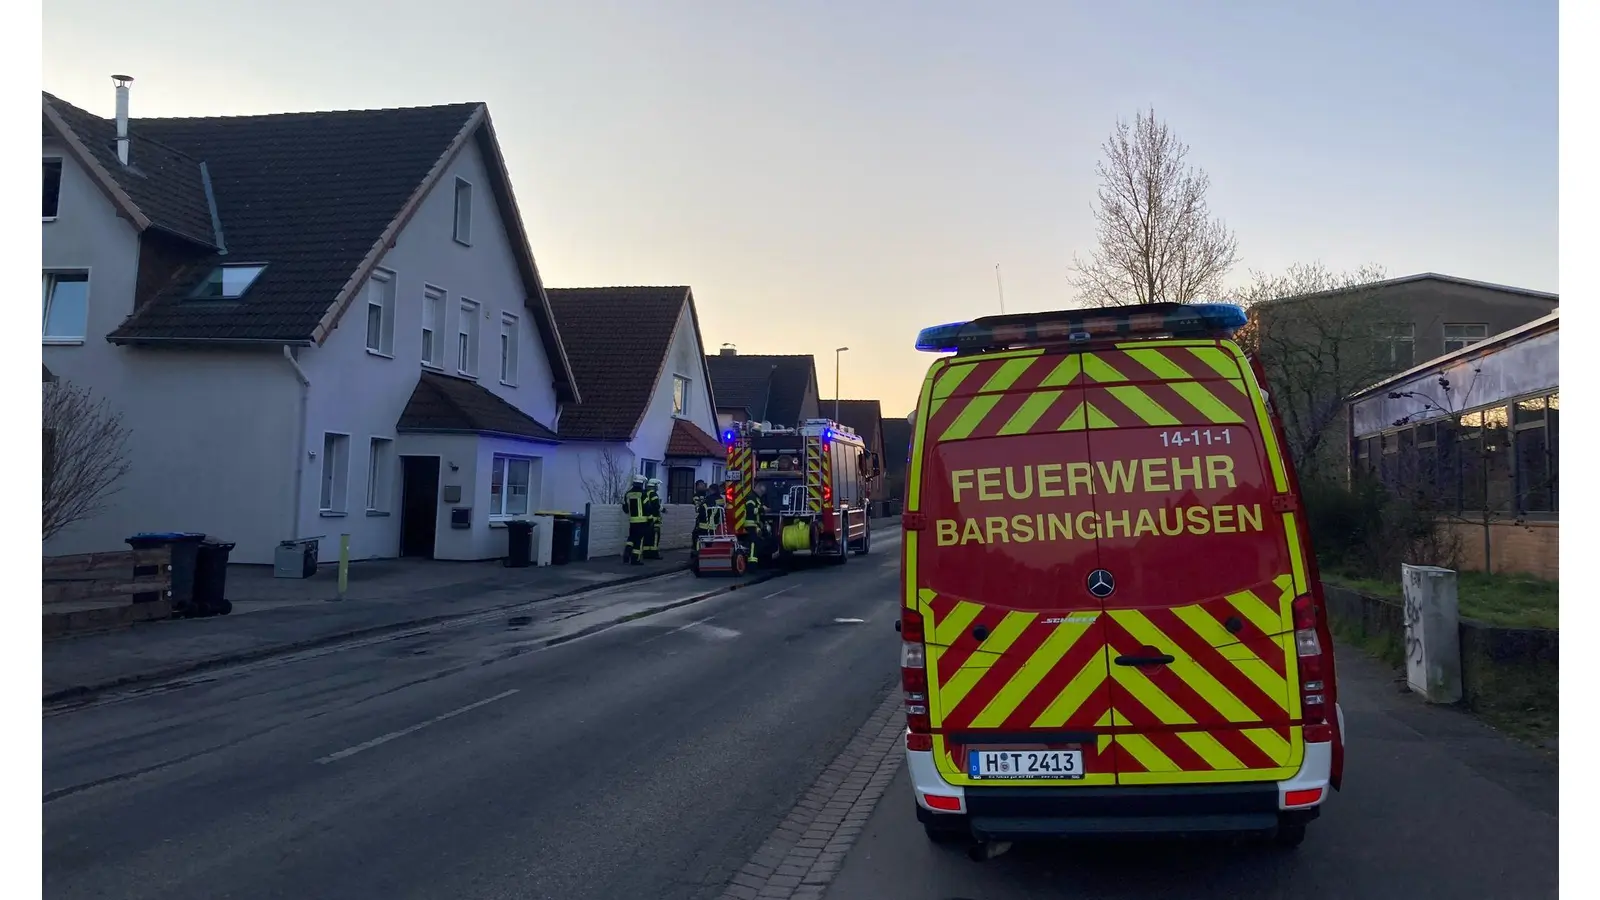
[[633, 503]]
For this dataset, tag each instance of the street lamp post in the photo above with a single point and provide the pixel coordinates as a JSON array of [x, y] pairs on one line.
[[836, 353]]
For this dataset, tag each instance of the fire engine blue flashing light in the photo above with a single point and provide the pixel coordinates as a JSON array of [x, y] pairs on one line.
[[729, 436], [1032, 329]]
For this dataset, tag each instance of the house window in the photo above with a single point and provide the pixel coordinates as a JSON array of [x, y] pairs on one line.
[[509, 486], [52, 187], [649, 468], [227, 282], [380, 313], [433, 326], [467, 339], [379, 467], [335, 472], [508, 349], [66, 306], [680, 395], [680, 484], [1458, 336], [1397, 345], [463, 231]]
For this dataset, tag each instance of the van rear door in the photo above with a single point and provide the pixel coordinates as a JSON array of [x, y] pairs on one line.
[[1016, 658], [1190, 486]]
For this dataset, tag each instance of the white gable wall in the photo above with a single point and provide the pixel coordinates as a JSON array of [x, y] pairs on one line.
[[363, 394], [210, 433], [684, 358]]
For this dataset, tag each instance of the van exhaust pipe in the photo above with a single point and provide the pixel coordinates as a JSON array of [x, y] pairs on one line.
[[983, 851]]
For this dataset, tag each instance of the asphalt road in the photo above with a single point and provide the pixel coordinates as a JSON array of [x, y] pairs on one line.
[[645, 761], [1434, 804]]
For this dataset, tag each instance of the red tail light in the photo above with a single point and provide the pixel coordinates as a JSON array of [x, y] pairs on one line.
[[1310, 654], [911, 626], [729, 494], [914, 681], [827, 494]]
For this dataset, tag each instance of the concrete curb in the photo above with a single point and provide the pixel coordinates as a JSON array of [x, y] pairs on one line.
[[83, 692]]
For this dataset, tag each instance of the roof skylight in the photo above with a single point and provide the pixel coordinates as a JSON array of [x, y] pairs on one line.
[[228, 282]]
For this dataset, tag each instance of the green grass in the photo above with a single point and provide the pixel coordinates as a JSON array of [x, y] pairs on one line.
[[1507, 601]]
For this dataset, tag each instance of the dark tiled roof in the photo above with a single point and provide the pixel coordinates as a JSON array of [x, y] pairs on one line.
[[743, 382], [307, 193], [444, 403], [312, 195], [617, 340], [773, 388], [864, 417], [164, 183], [896, 445], [688, 440]]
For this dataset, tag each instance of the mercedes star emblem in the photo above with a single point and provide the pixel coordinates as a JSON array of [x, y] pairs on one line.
[[1101, 584]]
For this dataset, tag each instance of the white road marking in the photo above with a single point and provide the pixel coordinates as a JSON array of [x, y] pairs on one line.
[[845, 621], [378, 741], [777, 592]]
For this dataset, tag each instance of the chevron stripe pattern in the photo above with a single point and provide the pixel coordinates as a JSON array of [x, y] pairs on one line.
[[817, 473], [739, 460], [1195, 384], [1220, 712]]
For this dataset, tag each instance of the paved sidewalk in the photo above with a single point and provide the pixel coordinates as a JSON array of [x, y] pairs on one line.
[[273, 616]]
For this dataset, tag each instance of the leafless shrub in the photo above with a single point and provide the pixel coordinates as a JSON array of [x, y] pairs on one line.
[[85, 455]]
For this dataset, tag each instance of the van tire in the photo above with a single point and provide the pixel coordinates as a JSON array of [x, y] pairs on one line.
[[1290, 836]]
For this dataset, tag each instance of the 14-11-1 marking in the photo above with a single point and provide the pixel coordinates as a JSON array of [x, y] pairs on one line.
[[1196, 437]]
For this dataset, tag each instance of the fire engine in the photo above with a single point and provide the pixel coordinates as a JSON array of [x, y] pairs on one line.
[[817, 483]]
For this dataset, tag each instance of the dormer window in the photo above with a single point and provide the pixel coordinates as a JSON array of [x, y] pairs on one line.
[[228, 282]]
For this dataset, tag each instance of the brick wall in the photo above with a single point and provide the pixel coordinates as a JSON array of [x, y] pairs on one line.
[[1533, 548]]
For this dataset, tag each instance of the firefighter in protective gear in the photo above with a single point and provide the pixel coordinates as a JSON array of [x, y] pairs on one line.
[[702, 514], [755, 518], [638, 522], [652, 511]]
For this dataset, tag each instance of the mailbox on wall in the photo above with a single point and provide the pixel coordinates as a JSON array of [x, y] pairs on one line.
[[461, 517]]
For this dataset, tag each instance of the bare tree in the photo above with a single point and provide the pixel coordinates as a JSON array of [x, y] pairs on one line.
[[1321, 335], [1157, 238], [606, 485], [85, 455]]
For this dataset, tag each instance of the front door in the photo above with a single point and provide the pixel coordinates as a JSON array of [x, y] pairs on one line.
[[419, 505]]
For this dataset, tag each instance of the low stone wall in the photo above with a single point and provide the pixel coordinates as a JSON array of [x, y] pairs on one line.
[[1508, 668]]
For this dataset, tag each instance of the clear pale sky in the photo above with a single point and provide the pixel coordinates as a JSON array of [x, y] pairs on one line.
[[844, 173]]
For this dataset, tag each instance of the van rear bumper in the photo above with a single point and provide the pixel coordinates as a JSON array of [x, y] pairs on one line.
[[1023, 813], [1011, 814]]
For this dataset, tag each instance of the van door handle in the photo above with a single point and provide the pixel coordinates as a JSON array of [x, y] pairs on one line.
[[1162, 660]]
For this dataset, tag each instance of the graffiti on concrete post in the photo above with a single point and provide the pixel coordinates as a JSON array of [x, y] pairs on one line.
[[1413, 614]]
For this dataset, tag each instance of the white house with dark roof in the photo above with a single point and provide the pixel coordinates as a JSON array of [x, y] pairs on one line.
[[648, 405], [312, 324]]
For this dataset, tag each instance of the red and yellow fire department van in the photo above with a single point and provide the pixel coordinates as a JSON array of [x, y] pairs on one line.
[[1112, 621]]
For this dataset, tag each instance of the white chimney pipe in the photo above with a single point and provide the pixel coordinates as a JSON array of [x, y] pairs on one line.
[[122, 82]]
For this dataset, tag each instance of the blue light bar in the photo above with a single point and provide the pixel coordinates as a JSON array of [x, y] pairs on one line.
[[1076, 325]]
